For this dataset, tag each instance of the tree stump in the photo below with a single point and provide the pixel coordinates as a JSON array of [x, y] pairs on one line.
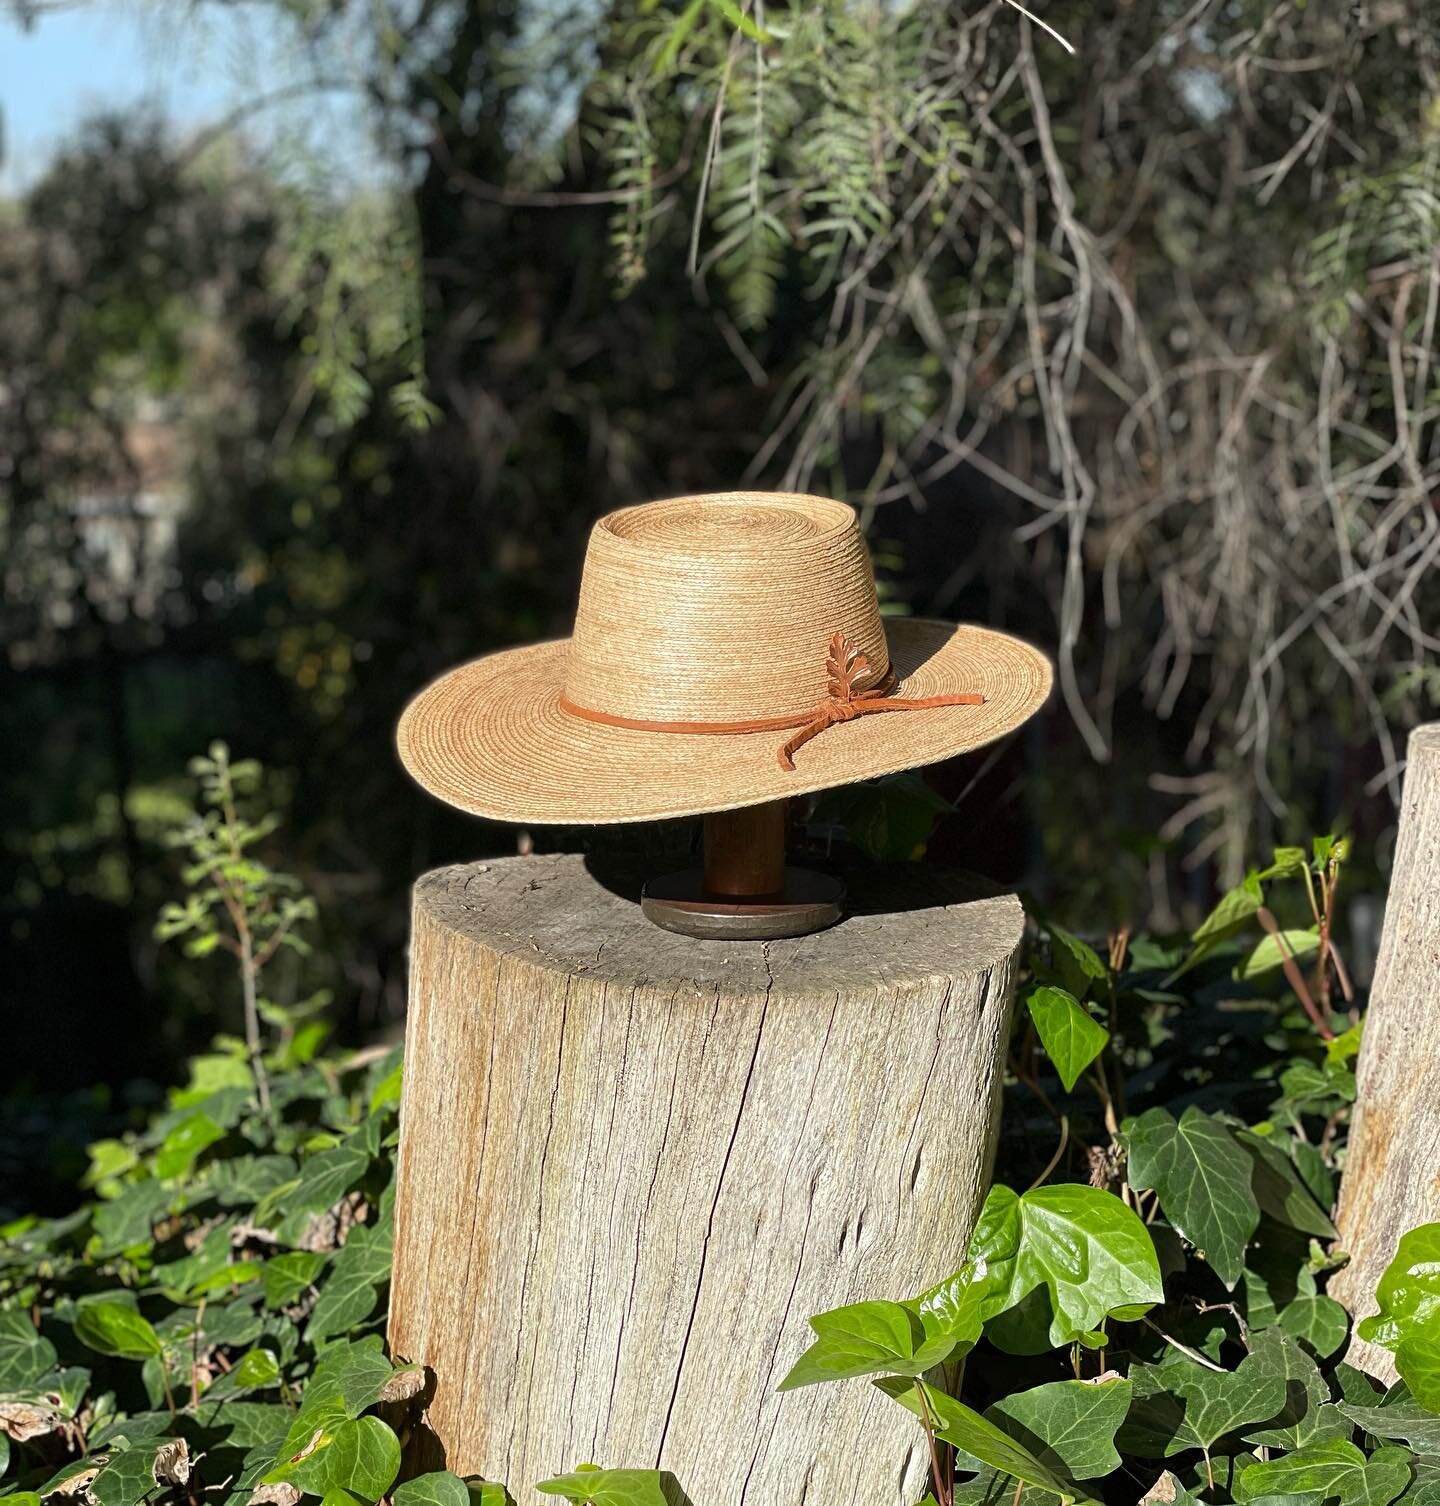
[[633, 1165], [1392, 1166]]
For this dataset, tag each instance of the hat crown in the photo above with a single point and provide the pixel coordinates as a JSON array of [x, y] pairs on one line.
[[720, 608]]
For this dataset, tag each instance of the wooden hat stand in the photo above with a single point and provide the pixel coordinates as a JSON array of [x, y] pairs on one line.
[[745, 891]]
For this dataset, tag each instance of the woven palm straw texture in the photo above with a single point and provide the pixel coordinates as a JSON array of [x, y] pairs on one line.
[[708, 609]]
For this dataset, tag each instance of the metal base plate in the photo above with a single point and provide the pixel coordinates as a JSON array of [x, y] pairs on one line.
[[678, 902]]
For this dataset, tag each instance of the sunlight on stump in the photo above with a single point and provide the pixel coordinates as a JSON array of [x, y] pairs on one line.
[[632, 1165], [1392, 1168]]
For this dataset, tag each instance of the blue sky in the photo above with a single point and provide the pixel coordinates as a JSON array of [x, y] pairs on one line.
[[75, 60], [194, 63]]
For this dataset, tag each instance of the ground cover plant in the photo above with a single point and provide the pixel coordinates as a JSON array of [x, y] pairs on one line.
[[1141, 1315]]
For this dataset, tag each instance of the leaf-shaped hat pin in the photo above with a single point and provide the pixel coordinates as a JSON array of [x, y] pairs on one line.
[[844, 665]]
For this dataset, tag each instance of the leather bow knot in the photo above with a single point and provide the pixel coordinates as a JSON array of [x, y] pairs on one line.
[[844, 665]]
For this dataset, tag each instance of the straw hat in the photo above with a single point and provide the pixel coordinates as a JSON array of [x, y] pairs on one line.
[[727, 650]]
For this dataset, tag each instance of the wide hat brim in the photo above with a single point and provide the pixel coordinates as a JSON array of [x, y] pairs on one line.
[[491, 737]]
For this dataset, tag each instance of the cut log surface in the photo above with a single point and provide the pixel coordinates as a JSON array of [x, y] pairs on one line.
[[632, 1165], [1392, 1165]]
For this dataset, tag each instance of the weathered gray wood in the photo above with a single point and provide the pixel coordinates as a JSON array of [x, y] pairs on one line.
[[1392, 1167], [633, 1164]]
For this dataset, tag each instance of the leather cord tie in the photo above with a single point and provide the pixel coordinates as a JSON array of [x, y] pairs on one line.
[[844, 665]]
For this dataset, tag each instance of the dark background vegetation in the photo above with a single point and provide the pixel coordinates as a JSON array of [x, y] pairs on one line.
[[1148, 379]]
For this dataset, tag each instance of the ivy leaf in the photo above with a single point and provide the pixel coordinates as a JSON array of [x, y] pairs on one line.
[[1233, 913], [1308, 1089], [1085, 1254], [1077, 961], [129, 1219], [351, 1293], [184, 1144], [1279, 1189], [1356, 1387], [1345, 1046], [245, 1180], [1319, 1180], [1424, 1488], [78, 1470], [438, 1489], [1408, 1322], [1306, 1414], [1271, 950], [25, 1354], [325, 1451], [1072, 1040], [1405, 1420], [1203, 1180], [1092, 1255], [114, 1329], [350, 1376], [1319, 1322], [866, 1338], [487, 1493], [127, 1477], [1181, 1405], [1287, 862], [286, 1277], [1335, 1468], [387, 1090], [326, 1178], [256, 1370], [609, 1487], [959, 1305], [1068, 1425], [980, 1438]]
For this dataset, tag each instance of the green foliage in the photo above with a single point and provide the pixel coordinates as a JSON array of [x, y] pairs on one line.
[[113, 1328], [210, 1320], [1081, 1247], [1071, 1039], [889, 820], [1219, 1383], [1409, 1318], [349, 274], [867, 1338], [162, 1330], [982, 1440], [1183, 1404], [1202, 1177], [1245, 905], [1070, 1425], [608, 1487], [237, 904], [437, 1489], [1334, 1470], [1089, 1254]]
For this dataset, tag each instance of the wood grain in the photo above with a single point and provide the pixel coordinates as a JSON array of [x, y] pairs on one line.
[[1392, 1167], [632, 1165]]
